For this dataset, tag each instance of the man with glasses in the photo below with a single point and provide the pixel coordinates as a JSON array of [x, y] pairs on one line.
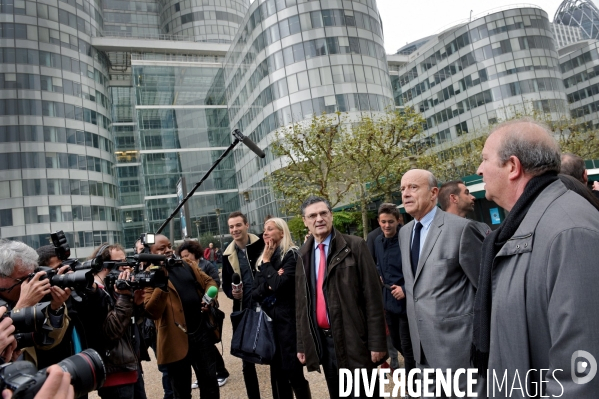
[[17, 291], [338, 293]]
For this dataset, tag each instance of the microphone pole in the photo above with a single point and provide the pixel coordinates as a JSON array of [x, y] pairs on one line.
[[238, 138]]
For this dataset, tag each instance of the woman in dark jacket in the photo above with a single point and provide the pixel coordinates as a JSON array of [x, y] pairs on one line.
[[275, 291]]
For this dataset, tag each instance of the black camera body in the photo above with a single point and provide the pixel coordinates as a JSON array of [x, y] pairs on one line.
[[30, 325], [22, 378]]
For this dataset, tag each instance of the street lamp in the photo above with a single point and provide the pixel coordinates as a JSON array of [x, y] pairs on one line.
[[197, 223], [217, 211]]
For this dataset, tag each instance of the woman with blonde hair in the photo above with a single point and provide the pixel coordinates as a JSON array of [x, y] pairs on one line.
[[275, 291]]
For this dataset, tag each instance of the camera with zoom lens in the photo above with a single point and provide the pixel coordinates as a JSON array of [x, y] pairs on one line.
[[79, 280], [22, 378], [153, 277], [30, 325]]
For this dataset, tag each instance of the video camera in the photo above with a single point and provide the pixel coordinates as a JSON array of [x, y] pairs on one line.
[[30, 325], [22, 378]]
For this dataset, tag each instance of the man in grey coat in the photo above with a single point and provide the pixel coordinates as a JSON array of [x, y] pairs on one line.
[[536, 317], [440, 259]]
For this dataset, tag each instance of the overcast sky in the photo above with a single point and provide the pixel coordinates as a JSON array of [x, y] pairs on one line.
[[407, 20]]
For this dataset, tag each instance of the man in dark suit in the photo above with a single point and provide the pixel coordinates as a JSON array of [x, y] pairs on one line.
[[339, 306], [388, 264], [441, 256]]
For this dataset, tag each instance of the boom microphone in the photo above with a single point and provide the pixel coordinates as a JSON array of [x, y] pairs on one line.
[[248, 143]]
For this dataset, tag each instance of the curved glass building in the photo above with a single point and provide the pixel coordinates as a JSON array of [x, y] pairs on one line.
[[579, 64], [579, 13], [483, 72], [215, 21], [57, 164], [293, 59]]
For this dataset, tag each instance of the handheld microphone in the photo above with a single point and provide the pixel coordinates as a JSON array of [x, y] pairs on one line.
[[210, 295], [248, 143], [236, 284]]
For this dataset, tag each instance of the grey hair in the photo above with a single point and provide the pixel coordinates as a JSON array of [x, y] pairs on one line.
[[15, 253], [314, 200], [432, 181], [573, 165], [536, 154]]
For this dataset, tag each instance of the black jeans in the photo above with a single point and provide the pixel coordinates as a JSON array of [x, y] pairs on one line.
[[331, 370], [250, 377], [287, 379], [201, 359], [221, 370], [399, 330]]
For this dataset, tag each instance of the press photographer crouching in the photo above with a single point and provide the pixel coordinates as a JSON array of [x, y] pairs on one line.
[[21, 287], [106, 316], [184, 337]]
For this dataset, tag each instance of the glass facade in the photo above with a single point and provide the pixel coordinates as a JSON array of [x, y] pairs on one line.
[[565, 35], [291, 60], [57, 170], [580, 71], [579, 13], [183, 127], [483, 72], [213, 21]]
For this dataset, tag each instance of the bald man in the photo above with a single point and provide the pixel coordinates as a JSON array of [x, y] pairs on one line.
[[536, 304], [440, 259]]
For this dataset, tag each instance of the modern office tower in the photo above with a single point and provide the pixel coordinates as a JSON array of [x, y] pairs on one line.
[[291, 60], [579, 65], [485, 71], [57, 167], [565, 35], [579, 13]]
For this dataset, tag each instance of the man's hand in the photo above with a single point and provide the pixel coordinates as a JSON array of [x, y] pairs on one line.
[[59, 296], [377, 356], [33, 291], [397, 292], [10, 354], [57, 386], [6, 332], [123, 276], [301, 357], [238, 294]]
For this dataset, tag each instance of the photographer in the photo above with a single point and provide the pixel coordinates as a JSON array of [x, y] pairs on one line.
[[19, 289], [106, 315], [184, 338]]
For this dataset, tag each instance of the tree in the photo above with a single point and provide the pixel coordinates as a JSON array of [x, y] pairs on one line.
[[311, 163], [380, 148]]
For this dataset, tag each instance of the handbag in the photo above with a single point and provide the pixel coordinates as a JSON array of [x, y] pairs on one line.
[[215, 322], [253, 336]]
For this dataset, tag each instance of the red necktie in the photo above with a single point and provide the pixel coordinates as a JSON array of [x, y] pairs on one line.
[[321, 306]]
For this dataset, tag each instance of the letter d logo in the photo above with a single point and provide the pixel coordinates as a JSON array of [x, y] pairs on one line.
[[581, 366]]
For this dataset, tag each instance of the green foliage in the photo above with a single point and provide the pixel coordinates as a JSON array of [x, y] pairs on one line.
[[297, 228], [207, 238]]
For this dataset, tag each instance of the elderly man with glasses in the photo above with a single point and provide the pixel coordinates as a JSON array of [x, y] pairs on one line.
[[17, 262], [339, 305]]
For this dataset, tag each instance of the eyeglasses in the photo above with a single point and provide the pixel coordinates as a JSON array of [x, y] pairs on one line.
[[322, 214], [19, 281]]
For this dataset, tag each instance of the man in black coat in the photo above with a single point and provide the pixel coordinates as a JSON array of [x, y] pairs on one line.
[[240, 257], [388, 264]]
